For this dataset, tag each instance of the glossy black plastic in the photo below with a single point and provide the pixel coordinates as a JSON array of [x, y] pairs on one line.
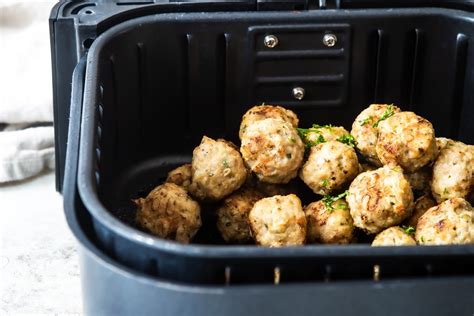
[[154, 85], [110, 288]]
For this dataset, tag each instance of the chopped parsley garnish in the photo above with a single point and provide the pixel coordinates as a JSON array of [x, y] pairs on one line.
[[328, 200], [409, 230], [288, 156], [325, 183], [303, 133], [225, 163], [317, 126], [347, 139], [422, 239], [365, 121], [293, 140], [388, 112]]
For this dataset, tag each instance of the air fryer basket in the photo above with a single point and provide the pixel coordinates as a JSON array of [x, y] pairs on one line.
[[156, 84]]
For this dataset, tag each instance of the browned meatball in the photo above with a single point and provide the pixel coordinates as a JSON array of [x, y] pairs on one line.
[[329, 224], [453, 172], [261, 112], [379, 199], [278, 221], [420, 180], [232, 215], [394, 236], [168, 212], [422, 204], [181, 176], [451, 222], [407, 140], [330, 167], [365, 129], [273, 150], [217, 170]]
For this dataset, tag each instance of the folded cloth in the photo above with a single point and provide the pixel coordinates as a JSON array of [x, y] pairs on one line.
[[25, 153], [25, 62]]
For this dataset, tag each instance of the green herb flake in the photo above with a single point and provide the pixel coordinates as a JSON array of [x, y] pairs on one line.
[[288, 156], [303, 133], [365, 121], [324, 183], [328, 200], [293, 140], [422, 239], [317, 126], [409, 230], [388, 112], [342, 206], [347, 139], [226, 164]]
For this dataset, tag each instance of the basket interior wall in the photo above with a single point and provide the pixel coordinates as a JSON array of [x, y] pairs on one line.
[[166, 83]]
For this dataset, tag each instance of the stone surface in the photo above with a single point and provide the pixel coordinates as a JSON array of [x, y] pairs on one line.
[[39, 271]]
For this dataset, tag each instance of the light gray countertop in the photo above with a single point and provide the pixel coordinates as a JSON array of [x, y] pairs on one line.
[[39, 271]]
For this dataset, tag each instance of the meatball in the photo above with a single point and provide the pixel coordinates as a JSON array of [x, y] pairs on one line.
[[394, 236], [181, 176], [273, 150], [380, 199], [420, 181], [422, 204], [330, 167], [217, 170], [232, 215], [278, 221], [168, 212], [319, 134], [364, 129], [441, 142], [261, 112], [407, 140], [453, 172], [451, 222], [329, 224]]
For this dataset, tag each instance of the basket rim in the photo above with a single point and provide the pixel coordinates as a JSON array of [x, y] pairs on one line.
[[89, 195]]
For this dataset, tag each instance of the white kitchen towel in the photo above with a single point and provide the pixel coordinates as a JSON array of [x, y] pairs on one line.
[[25, 153], [25, 62], [26, 89]]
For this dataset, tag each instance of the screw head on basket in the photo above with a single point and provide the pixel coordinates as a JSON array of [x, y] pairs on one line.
[[270, 41], [298, 93], [330, 40]]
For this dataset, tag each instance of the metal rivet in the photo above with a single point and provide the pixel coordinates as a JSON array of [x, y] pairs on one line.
[[330, 40], [298, 93], [270, 41]]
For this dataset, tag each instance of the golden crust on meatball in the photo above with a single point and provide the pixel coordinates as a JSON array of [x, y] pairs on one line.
[[181, 176], [449, 223], [261, 112], [278, 221], [330, 166], [217, 170], [407, 140], [365, 129], [168, 212], [329, 224], [420, 180], [422, 204], [453, 172], [394, 236], [380, 199], [232, 215], [273, 150]]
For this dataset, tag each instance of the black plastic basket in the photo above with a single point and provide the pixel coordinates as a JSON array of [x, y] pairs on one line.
[[160, 75]]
